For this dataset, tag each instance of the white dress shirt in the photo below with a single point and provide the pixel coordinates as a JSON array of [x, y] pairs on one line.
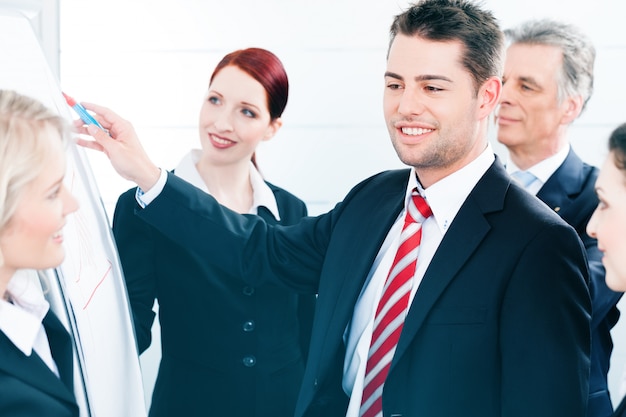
[[262, 194], [445, 199], [542, 171], [21, 318]]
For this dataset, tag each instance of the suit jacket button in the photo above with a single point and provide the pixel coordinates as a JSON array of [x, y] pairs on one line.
[[248, 326], [247, 290], [249, 361]]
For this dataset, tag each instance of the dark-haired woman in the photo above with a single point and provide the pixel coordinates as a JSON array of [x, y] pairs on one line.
[[608, 223]]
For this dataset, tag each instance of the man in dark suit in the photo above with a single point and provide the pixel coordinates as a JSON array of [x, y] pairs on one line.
[[499, 310], [548, 79]]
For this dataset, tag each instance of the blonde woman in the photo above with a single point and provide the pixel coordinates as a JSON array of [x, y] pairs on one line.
[[36, 371]]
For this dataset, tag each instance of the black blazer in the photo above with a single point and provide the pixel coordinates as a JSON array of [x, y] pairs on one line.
[[570, 192], [28, 387], [227, 348], [498, 327]]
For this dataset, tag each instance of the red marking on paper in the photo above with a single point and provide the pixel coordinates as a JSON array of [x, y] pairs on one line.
[[98, 285]]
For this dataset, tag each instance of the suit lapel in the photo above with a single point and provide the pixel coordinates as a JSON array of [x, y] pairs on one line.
[[359, 247], [61, 347], [32, 370], [567, 181], [466, 232]]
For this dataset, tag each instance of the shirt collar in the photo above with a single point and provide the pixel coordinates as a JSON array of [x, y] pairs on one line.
[[544, 169], [447, 195], [262, 194], [21, 319]]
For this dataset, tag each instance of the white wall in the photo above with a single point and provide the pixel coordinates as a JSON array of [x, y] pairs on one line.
[[150, 61], [43, 16]]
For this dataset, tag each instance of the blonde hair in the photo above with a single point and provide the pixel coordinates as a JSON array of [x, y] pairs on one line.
[[24, 127]]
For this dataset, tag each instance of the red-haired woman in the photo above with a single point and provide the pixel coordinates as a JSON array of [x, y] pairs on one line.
[[227, 349]]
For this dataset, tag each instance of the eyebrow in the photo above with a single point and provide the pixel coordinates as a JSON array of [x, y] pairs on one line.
[[55, 185], [419, 78], [244, 103], [530, 80]]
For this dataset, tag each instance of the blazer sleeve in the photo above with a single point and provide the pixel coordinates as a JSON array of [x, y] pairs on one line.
[[292, 210], [137, 254], [246, 245]]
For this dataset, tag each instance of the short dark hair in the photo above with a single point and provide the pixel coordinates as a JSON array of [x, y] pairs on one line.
[[617, 146], [457, 20]]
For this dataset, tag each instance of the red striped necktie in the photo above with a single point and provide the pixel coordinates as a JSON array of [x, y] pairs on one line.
[[393, 307]]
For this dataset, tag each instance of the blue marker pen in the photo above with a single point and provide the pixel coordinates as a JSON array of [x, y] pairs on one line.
[[81, 111]]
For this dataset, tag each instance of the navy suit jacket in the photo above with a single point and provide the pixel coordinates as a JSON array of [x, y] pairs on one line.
[[228, 349], [28, 387], [570, 192], [499, 326]]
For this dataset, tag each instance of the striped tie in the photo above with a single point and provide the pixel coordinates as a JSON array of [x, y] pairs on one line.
[[393, 307]]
